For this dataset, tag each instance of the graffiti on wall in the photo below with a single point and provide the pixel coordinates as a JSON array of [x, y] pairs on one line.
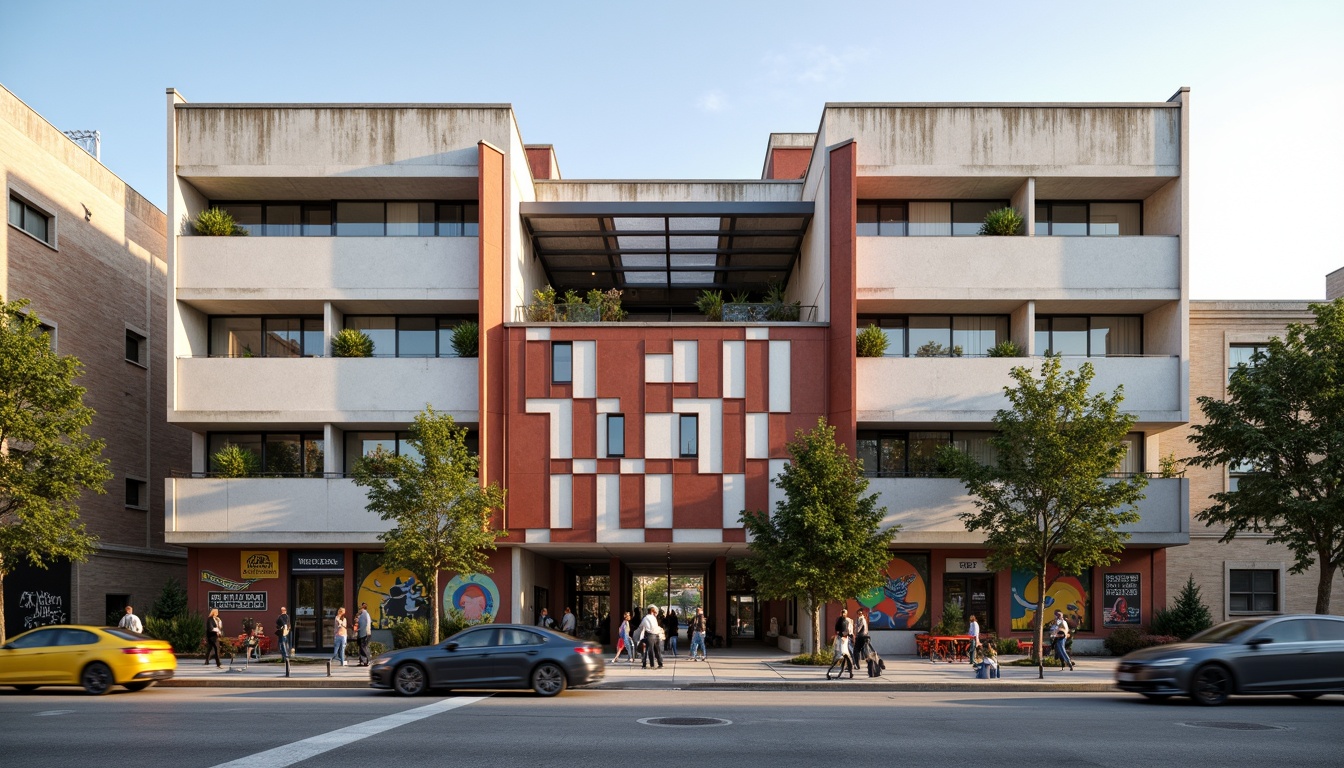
[[393, 596], [36, 597], [903, 602], [1069, 594], [475, 596]]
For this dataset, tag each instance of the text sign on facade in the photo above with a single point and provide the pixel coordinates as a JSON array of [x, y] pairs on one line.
[[313, 561], [966, 565], [1120, 599], [237, 601], [260, 565]]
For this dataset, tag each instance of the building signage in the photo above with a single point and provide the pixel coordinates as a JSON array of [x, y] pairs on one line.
[[315, 561], [260, 565], [966, 565], [1120, 601], [219, 581], [237, 601]]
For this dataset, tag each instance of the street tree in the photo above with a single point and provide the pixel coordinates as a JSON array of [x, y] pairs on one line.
[[440, 510], [1283, 421], [824, 542], [1047, 498], [47, 460]]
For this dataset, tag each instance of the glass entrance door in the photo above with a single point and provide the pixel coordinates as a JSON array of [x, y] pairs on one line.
[[742, 616], [975, 595], [316, 599]]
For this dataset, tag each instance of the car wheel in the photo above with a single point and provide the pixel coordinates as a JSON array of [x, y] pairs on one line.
[[139, 685], [1212, 685], [548, 680], [96, 678], [409, 680], [26, 688], [1159, 697], [1309, 695]]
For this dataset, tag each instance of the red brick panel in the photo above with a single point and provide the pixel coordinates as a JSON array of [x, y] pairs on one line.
[[843, 246], [709, 363], [758, 376], [657, 399], [492, 256], [788, 162], [537, 370], [697, 501], [658, 535], [734, 437], [529, 442], [584, 510], [585, 429], [658, 467], [529, 499], [737, 535], [758, 485], [632, 501]]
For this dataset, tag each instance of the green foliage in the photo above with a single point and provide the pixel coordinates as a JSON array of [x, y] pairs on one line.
[[454, 621], [824, 542], [48, 459], [376, 649], [778, 308], [441, 514], [351, 342], [217, 222], [814, 659], [934, 349], [467, 339], [410, 633], [1129, 639], [235, 461], [954, 620], [1007, 646], [710, 304], [1170, 466], [1284, 416], [172, 601], [542, 308], [1186, 617], [606, 305], [184, 631], [871, 342], [1004, 221], [1006, 348], [1047, 500]]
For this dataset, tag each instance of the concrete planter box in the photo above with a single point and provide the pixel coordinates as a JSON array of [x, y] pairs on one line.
[[792, 645]]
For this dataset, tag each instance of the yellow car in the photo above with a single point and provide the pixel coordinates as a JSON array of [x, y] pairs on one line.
[[95, 658]]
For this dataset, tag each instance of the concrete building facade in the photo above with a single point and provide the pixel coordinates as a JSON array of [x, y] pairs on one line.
[[629, 449], [88, 252]]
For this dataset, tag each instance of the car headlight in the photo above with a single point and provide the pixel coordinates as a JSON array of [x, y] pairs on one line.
[[1172, 662], [381, 660]]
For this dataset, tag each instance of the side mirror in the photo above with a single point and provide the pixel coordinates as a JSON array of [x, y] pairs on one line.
[[1256, 642], [451, 647]]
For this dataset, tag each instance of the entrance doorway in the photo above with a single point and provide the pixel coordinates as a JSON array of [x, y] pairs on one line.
[[592, 605], [315, 600], [679, 592], [743, 616], [975, 595]]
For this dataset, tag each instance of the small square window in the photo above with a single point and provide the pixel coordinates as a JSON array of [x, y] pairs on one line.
[[28, 218], [135, 348], [1253, 590], [615, 435], [137, 493], [689, 441], [562, 362]]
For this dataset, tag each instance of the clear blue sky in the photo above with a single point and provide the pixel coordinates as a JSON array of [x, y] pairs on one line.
[[691, 89]]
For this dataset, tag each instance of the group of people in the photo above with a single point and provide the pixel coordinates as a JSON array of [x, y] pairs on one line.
[[851, 642], [363, 632], [653, 634], [214, 631]]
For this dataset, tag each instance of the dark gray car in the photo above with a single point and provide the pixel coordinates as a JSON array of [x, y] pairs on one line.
[[492, 656], [1298, 655]]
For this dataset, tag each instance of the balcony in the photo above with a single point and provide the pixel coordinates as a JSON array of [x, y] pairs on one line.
[[320, 390], [928, 510], [1144, 268], [327, 268], [289, 511], [970, 389]]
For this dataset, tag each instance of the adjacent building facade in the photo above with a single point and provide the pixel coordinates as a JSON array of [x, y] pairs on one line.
[[628, 449], [87, 251]]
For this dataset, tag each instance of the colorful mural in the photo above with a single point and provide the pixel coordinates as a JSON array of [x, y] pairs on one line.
[[393, 596], [1069, 594], [903, 603], [475, 596]]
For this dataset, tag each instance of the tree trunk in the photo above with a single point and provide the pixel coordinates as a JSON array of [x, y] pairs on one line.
[[3, 640], [814, 613], [434, 610], [1322, 586], [1040, 623]]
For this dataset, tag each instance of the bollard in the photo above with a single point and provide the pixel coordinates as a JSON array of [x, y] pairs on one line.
[[328, 667]]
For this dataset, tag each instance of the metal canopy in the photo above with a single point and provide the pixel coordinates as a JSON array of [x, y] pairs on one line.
[[664, 254]]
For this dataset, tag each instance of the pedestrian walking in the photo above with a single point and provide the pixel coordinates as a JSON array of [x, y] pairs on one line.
[[653, 651], [861, 636], [699, 629], [363, 633], [988, 668], [623, 644], [340, 631], [1059, 636], [844, 630], [131, 621], [545, 621], [568, 623], [282, 626], [671, 628], [973, 629], [214, 629], [252, 646]]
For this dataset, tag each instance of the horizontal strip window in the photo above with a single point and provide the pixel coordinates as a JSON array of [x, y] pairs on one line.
[[235, 336], [915, 454], [361, 444], [939, 335], [409, 335], [1074, 218], [356, 218], [1090, 336], [278, 454], [25, 216], [923, 218], [1243, 354]]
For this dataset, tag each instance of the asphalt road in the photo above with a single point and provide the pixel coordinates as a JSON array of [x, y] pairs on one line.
[[202, 728]]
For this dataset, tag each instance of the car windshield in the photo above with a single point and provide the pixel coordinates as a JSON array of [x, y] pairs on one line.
[[1224, 632], [124, 634]]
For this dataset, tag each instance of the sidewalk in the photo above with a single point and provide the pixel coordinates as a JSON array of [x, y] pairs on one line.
[[757, 668]]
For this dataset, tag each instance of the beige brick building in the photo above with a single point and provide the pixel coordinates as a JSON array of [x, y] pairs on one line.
[[88, 252], [1246, 573]]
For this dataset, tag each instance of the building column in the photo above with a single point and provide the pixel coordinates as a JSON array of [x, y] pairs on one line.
[[842, 377], [720, 604]]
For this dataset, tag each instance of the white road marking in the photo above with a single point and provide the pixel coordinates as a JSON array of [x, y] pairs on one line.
[[51, 712], [289, 754]]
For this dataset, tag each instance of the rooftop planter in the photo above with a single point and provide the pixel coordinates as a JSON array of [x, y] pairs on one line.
[[596, 307]]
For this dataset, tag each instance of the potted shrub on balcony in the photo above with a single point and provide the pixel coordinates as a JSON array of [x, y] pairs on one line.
[[351, 342], [235, 461], [217, 222], [710, 305], [1004, 221], [778, 308], [871, 342], [467, 339], [606, 305], [1005, 349]]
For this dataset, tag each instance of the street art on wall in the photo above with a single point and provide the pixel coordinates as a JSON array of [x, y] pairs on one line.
[[1070, 594], [903, 602], [1121, 599], [393, 596], [475, 596], [36, 597]]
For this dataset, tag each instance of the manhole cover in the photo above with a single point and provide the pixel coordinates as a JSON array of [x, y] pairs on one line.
[[685, 722], [1225, 726]]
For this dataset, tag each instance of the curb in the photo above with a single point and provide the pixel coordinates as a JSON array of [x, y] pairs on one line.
[[981, 686]]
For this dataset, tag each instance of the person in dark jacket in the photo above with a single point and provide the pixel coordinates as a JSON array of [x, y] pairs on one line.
[[282, 629], [671, 626], [214, 629]]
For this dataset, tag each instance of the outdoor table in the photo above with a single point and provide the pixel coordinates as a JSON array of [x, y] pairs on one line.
[[950, 647]]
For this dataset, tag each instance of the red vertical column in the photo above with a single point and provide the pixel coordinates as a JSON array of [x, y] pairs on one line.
[[841, 389], [490, 189], [616, 596], [720, 607]]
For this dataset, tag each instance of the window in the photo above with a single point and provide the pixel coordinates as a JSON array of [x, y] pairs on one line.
[[1237, 471], [137, 493], [279, 454], [361, 444], [1095, 336], [1094, 219], [689, 439], [925, 218], [562, 362], [519, 637], [1253, 590], [477, 638], [234, 336], [615, 435], [355, 218], [1290, 631], [42, 638], [409, 335], [940, 335], [135, 348], [1239, 355], [914, 454], [1132, 463], [28, 218], [77, 637]]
